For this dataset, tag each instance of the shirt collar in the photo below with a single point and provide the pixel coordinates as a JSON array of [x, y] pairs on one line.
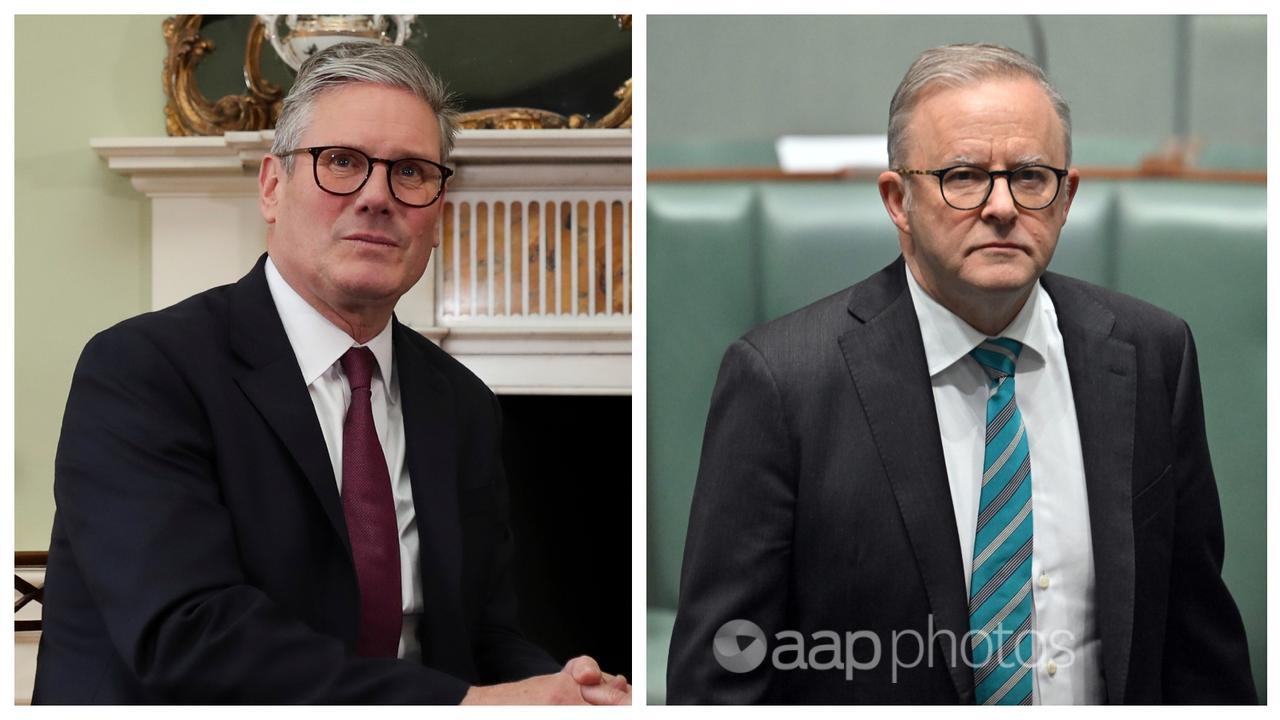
[[947, 338], [317, 342]]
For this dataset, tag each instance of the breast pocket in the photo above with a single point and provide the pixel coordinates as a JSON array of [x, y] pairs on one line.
[[1152, 500]]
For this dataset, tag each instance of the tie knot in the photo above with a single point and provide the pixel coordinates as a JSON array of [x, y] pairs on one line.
[[998, 357], [357, 365]]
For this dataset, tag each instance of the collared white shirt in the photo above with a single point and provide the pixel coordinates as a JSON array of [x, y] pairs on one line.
[[1068, 651], [318, 345]]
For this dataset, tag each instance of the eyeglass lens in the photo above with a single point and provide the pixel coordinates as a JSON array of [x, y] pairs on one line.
[[343, 171], [966, 188]]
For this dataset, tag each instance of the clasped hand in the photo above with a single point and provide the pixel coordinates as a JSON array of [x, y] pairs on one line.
[[580, 682]]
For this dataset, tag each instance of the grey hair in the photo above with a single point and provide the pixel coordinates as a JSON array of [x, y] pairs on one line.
[[954, 66], [357, 62]]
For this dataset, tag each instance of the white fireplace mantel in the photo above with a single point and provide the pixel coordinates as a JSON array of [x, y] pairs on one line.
[[206, 231]]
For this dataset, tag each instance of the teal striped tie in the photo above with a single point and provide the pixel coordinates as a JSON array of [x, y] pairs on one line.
[[1000, 603]]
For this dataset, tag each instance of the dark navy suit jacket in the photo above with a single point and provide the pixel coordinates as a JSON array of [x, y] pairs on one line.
[[200, 553]]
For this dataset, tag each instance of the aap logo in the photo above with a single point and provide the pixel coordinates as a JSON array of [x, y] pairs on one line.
[[739, 646]]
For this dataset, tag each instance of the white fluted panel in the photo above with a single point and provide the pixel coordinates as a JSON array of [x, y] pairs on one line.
[[486, 230]]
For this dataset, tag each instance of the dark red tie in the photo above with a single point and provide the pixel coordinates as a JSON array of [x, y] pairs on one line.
[[371, 514]]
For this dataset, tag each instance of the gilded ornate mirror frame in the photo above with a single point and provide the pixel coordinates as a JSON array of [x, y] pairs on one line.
[[188, 112]]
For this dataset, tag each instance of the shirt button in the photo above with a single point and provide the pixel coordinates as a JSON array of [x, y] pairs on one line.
[[1044, 581], [1052, 667]]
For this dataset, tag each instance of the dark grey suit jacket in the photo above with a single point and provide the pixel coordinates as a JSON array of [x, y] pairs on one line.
[[822, 503]]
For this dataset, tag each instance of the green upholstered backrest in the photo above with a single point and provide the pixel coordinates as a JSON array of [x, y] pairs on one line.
[[818, 238], [1085, 248], [701, 294], [1199, 251]]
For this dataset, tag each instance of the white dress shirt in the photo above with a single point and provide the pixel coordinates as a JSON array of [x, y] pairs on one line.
[[1067, 647], [318, 345]]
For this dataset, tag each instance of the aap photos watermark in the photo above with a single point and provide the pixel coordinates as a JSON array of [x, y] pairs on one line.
[[740, 646]]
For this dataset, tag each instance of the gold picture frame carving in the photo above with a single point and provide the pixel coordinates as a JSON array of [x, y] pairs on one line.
[[187, 111]]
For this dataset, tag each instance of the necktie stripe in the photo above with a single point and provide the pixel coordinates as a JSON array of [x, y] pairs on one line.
[[999, 501], [1000, 587], [1008, 353], [1000, 513], [996, 355], [990, 548], [999, 462], [986, 613], [993, 583], [993, 661], [1000, 584], [997, 360], [996, 424], [989, 627], [1023, 673]]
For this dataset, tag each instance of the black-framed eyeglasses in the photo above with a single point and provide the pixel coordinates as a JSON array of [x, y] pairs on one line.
[[966, 187], [338, 170]]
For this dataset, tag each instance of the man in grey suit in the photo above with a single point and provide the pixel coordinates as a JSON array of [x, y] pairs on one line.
[[964, 479]]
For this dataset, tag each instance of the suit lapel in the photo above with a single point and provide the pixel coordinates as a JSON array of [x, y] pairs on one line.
[[1103, 374], [273, 383], [885, 357], [431, 452]]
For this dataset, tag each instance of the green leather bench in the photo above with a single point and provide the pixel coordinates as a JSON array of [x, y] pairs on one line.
[[723, 257]]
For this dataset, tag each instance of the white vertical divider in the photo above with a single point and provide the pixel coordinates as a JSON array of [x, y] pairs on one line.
[[524, 257], [555, 233], [573, 257], [471, 239], [608, 258], [591, 258], [488, 257], [542, 266], [506, 259], [457, 258]]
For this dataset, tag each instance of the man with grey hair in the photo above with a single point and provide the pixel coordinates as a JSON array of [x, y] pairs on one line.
[[964, 479], [274, 492]]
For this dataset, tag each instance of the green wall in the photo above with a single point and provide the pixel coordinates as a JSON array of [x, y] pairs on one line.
[[81, 232]]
